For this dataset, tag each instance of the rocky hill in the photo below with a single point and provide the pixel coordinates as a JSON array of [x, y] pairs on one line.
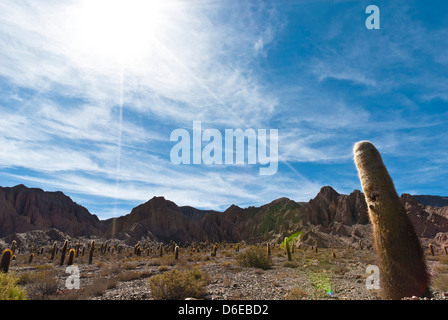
[[329, 220], [24, 209]]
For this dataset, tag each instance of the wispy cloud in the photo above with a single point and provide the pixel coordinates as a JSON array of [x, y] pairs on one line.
[[77, 116]]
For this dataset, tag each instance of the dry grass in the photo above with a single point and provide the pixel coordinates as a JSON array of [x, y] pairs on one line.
[[440, 279], [177, 285], [96, 288]]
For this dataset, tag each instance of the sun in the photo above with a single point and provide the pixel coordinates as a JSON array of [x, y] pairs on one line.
[[115, 31]]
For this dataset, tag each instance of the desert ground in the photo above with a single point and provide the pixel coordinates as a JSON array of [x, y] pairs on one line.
[[233, 272]]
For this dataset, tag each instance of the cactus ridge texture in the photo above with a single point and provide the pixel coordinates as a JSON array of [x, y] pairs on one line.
[[402, 266]]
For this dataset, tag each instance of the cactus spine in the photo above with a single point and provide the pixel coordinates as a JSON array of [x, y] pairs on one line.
[[6, 259], [401, 260], [71, 256]]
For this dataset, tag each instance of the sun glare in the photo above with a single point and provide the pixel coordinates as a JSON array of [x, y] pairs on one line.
[[116, 30]]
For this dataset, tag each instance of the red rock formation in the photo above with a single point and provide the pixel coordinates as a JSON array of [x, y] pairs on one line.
[[24, 209]]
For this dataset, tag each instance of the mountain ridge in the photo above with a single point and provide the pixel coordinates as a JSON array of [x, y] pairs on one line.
[[329, 215]]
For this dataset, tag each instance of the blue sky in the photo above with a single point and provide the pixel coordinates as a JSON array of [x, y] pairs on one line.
[[91, 90]]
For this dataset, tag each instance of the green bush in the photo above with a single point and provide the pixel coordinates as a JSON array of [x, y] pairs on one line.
[[177, 285], [255, 257], [9, 290]]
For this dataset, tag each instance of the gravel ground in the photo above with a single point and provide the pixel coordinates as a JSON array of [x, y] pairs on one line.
[[310, 276]]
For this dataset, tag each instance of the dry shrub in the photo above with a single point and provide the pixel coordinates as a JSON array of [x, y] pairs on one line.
[[255, 257], [296, 294], [177, 285], [40, 285]]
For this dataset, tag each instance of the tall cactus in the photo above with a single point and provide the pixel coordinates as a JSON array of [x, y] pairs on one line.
[[402, 266], [176, 252], [5, 261], [288, 251], [92, 250], [71, 257], [63, 252], [53, 250]]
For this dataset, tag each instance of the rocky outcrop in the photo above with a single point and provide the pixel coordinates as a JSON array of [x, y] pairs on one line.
[[24, 209], [427, 220], [329, 206]]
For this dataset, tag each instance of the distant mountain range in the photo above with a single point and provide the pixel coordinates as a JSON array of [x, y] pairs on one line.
[[434, 201], [328, 216]]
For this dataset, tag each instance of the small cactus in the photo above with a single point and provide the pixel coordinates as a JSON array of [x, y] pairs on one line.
[[161, 250], [13, 246], [213, 253], [431, 249], [6, 260], [71, 257], [268, 249], [333, 255], [176, 252], [30, 258], [401, 259]]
